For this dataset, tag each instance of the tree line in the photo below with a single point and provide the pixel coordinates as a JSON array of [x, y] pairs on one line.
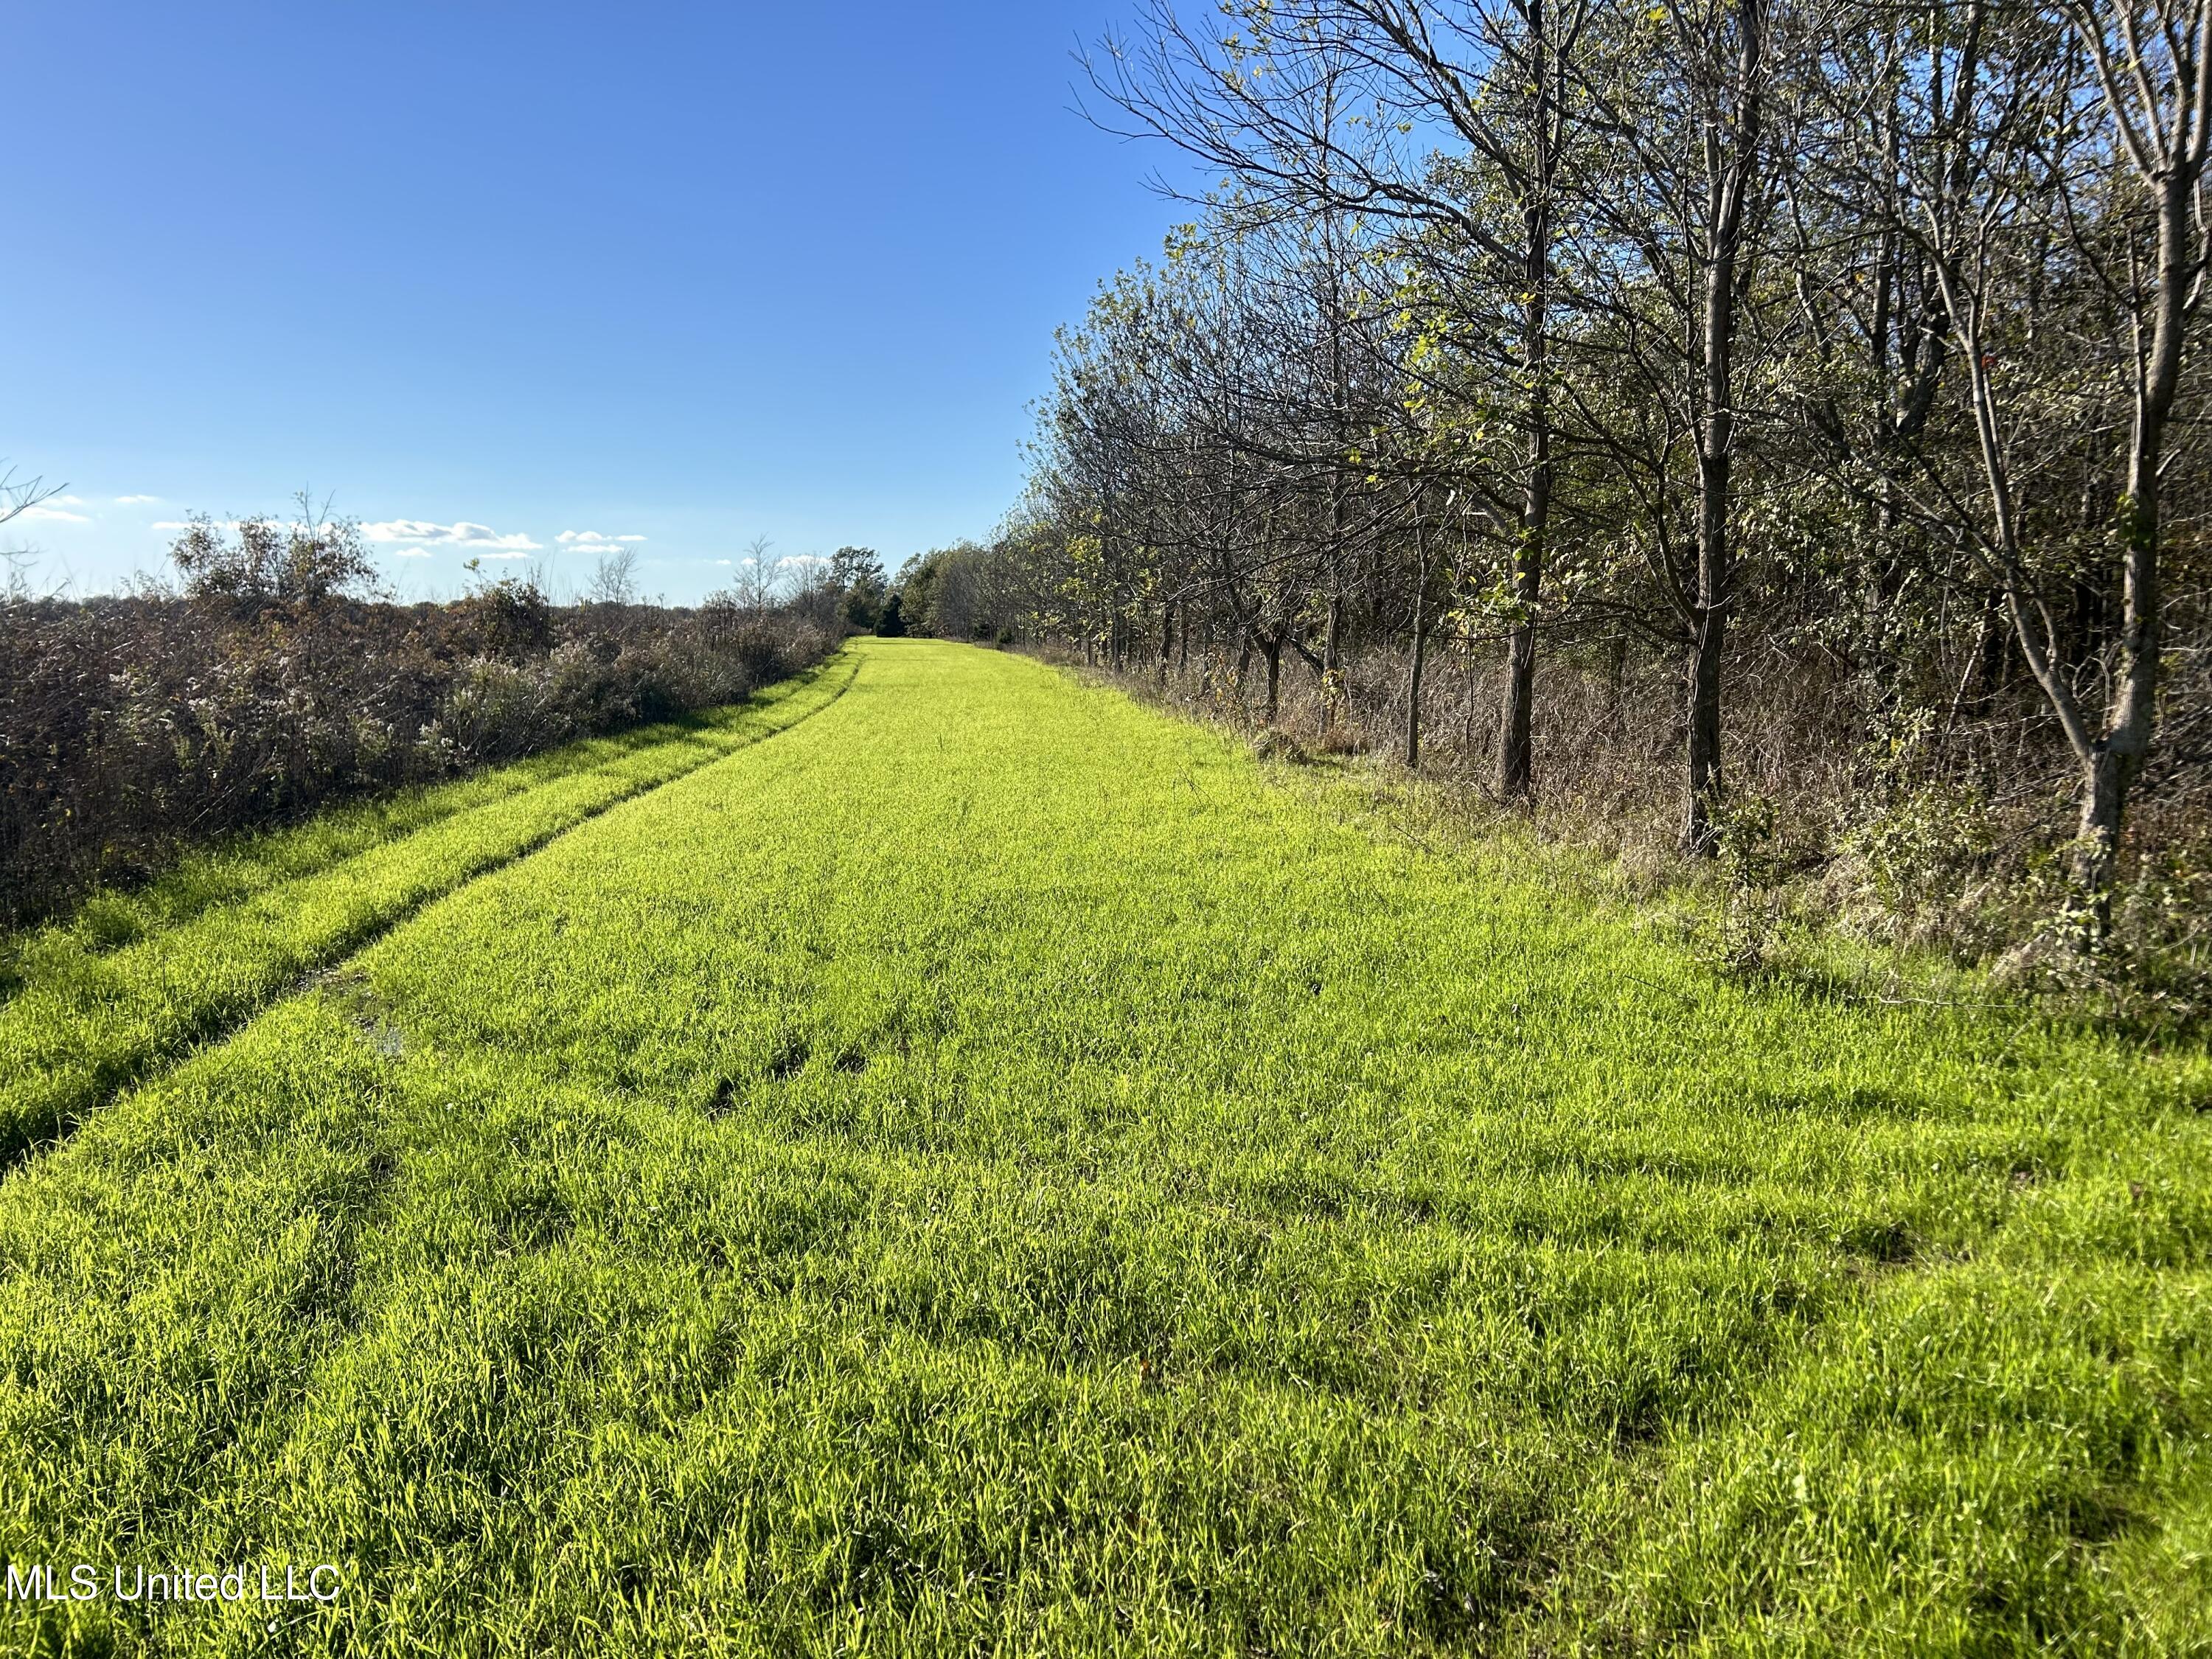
[[1789, 343]]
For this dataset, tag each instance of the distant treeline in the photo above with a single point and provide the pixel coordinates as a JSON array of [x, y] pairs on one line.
[[272, 682]]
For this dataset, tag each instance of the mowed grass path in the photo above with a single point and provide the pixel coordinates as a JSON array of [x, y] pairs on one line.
[[989, 1171]]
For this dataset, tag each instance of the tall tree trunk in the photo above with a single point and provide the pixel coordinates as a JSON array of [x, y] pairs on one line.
[[2161, 114], [1517, 709], [1709, 614], [1331, 672], [1332, 658], [1420, 651], [1730, 184], [2125, 743], [1703, 686]]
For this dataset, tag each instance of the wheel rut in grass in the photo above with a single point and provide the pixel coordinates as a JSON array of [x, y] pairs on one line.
[[70, 1053]]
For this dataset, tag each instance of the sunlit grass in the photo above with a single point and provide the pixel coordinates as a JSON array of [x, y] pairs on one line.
[[989, 1172], [131, 978]]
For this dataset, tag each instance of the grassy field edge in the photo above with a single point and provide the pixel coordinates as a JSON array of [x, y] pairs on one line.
[[87, 1021]]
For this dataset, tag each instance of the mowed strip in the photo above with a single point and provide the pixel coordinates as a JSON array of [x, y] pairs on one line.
[[84, 1020], [989, 1171]]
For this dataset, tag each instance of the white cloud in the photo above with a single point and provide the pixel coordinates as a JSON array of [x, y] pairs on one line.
[[503, 556], [415, 553], [134, 500], [68, 501], [52, 514], [224, 523], [591, 541], [405, 530], [460, 533]]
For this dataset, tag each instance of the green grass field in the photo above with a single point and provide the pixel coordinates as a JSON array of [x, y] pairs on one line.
[[992, 1170]]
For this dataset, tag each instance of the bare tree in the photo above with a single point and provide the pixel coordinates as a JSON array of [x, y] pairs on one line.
[[2154, 68], [1326, 107], [2058, 196], [757, 581], [614, 579]]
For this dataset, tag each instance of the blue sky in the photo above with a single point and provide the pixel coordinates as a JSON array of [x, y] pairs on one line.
[[690, 273]]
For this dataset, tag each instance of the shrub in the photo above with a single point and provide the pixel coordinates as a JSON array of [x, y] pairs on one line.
[[130, 727]]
